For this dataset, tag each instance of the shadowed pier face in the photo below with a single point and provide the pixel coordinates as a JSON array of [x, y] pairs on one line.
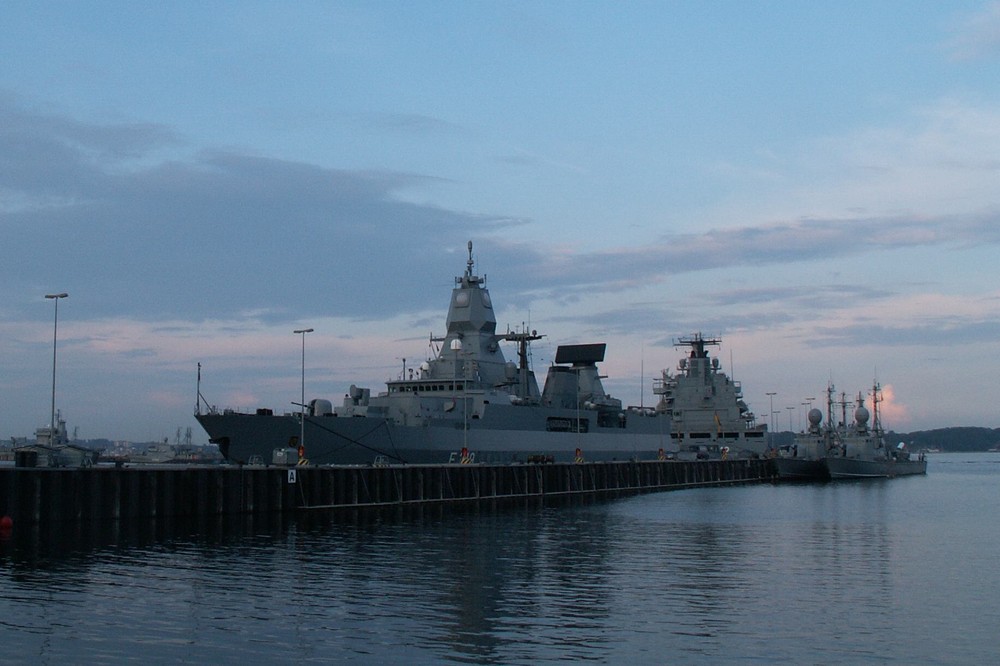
[[37, 495]]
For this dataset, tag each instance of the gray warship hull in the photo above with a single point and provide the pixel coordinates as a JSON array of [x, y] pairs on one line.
[[512, 434], [853, 468], [801, 469]]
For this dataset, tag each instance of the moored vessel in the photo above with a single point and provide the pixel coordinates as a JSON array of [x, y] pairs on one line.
[[804, 459], [861, 452], [52, 448], [709, 417], [466, 403]]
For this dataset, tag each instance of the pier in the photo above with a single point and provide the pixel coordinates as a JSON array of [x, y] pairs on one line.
[[31, 495]]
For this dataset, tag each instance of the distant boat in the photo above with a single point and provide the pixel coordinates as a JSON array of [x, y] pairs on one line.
[[52, 448]]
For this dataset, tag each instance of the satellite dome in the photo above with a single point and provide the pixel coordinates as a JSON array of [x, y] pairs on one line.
[[815, 417], [861, 415]]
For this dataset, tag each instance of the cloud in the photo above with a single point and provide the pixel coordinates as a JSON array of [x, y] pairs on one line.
[[569, 275], [977, 36], [223, 235], [215, 235], [891, 409], [946, 331]]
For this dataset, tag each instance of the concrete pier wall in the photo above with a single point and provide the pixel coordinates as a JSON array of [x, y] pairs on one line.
[[37, 495]]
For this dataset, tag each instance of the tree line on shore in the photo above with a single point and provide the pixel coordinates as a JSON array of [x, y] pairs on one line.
[[949, 439], [960, 438]]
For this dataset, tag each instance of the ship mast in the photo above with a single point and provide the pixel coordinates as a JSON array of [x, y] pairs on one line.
[[876, 421], [522, 339]]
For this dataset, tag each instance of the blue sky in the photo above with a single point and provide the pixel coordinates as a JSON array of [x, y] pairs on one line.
[[816, 183]]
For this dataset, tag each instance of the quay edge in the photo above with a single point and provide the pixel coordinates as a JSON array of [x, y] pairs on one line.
[[43, 495]]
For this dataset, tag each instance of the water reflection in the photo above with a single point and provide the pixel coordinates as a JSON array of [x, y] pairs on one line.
[[819, 574]]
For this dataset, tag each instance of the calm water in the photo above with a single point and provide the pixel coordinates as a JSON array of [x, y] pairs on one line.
[[901, 572]]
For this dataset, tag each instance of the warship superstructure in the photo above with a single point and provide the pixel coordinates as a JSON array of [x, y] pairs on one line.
[[466, 403], [709, 417]]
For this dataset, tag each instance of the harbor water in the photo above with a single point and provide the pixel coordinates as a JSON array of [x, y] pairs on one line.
[[897, 571]]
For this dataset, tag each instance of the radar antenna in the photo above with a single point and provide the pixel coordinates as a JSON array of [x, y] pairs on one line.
[[697, 344]]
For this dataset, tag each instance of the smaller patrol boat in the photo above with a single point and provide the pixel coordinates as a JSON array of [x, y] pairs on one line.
[[862, 452], [804, 459], [710, 419], [845, 450]]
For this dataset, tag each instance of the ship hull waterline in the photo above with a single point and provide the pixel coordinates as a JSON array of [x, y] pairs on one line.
[[245, 438], [848, 468], [801, 469]]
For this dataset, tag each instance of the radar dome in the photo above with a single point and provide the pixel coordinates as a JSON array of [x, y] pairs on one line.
[[815, 417], [320, 407], [861, 415]]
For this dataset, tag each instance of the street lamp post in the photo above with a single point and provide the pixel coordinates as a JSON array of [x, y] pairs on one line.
[[770, 434], [302, 404], [55, 329], [790, 426]]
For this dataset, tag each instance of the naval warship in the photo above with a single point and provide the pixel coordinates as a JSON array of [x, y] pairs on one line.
[[845, 450], [804, 459], [466, 403], [709, 417], [862, 452]]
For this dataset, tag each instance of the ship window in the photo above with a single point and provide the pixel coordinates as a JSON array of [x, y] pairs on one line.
[[558, 424]]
